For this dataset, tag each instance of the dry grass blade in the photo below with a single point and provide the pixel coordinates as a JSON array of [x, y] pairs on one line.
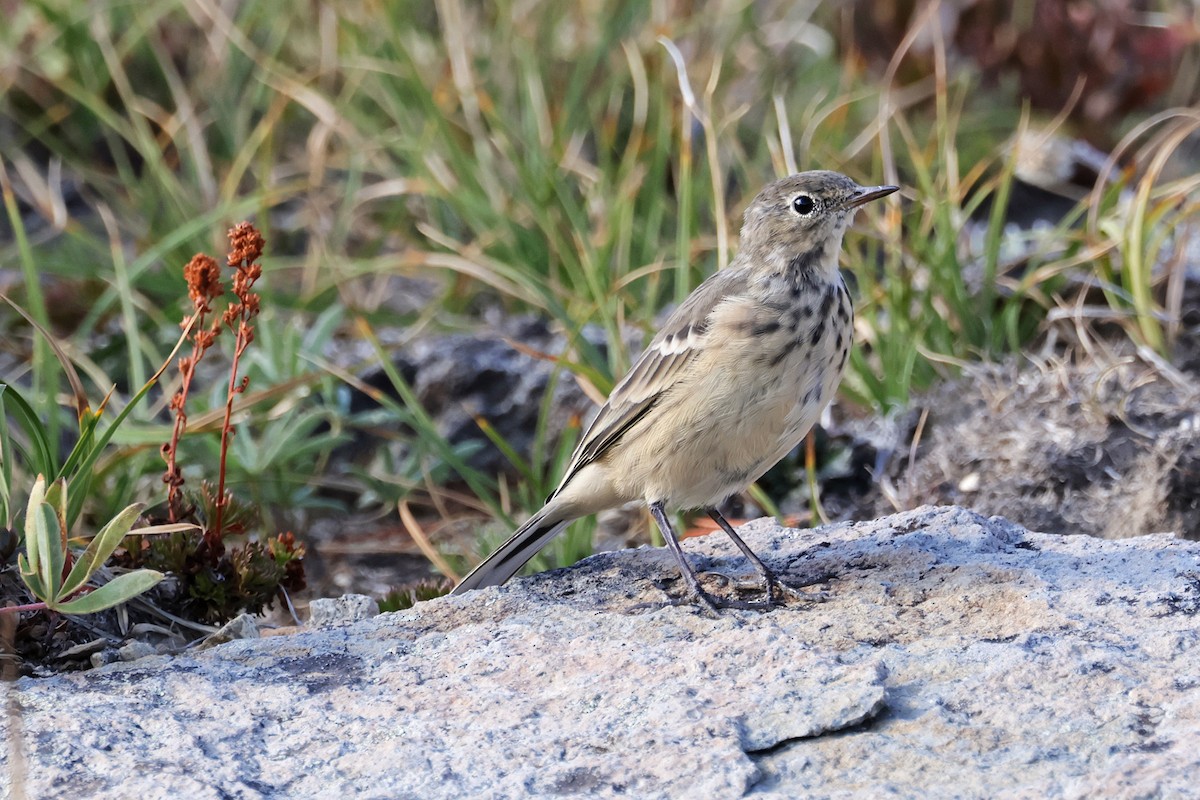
[[422, 540]]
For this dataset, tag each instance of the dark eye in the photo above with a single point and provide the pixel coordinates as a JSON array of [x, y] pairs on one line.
[[804, 205]]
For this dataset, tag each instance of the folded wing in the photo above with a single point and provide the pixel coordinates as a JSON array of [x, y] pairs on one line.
[[664, 361]]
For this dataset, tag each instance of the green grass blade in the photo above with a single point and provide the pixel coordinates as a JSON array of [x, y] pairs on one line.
[[483, 487], [40, 453], [75, 507], [45, 383], [504, 447], [6, 465]]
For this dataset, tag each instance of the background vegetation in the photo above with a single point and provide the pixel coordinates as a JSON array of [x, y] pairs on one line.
[[414, 166]]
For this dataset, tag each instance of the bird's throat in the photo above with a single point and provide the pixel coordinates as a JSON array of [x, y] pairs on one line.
[[816, 267]]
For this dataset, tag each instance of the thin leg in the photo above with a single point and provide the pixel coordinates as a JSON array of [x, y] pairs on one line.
[[695, 592], [685, 570], [771, 583]]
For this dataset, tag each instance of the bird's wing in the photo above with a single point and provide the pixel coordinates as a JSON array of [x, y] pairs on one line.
[[657, 369]]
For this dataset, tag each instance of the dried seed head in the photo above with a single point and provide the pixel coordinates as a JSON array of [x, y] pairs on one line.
[[203, 276], [245, 244]]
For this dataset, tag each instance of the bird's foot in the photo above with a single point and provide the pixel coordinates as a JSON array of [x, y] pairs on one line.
[[777, 588], [694, 597], [713, 604], [702, 601], [772, 593]]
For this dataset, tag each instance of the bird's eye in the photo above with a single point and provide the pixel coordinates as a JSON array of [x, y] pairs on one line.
[[804, 205]]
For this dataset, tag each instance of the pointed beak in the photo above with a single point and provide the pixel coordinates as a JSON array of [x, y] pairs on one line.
[[865, 194]]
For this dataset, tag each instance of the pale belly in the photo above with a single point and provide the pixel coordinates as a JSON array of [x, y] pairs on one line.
[[723, 428]]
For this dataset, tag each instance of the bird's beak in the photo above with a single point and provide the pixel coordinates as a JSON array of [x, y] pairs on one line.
[[865, 194]]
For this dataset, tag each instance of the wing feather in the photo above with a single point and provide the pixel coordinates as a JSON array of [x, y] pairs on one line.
[[663, 362]]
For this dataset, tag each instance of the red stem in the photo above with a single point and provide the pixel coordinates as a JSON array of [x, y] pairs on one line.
[[177, 434], [226, 428], [27, 607]]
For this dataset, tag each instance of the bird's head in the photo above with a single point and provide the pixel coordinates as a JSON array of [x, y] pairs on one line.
[[804, 213]]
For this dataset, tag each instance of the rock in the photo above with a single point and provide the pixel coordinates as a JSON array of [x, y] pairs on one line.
[[243, 626], [341, 610], [936, 653], [135, 650], [105, 656]]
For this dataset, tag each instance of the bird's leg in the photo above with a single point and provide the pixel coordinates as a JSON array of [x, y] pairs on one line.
[[771, 583], [694, 592]]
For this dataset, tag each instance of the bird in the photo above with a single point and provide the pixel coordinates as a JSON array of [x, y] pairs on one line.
[[732, 382]]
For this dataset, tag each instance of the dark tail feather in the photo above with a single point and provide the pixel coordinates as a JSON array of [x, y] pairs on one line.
[[515, 553]]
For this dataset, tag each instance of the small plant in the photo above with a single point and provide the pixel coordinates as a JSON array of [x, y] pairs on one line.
[[203, 278], [216, 589], [48, 568], [245, 247], [219, 582], [408, 596], [47, 558], [204, 286]]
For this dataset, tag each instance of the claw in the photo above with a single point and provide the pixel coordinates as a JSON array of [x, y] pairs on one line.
[[774, 591]]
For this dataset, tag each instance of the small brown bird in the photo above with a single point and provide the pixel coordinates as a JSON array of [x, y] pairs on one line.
[[734, 380]]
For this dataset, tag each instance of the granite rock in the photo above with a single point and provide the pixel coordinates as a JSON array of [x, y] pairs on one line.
[[327, 611], [933, 653]]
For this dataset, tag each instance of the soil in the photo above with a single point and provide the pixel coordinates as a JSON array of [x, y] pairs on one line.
[[1095, 438], [1106, 447]]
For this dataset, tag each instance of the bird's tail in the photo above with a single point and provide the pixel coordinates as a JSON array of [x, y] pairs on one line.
[[516, 552]]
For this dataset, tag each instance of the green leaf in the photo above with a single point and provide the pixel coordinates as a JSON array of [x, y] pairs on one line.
[[84, 444], [290, 435], [51, 555], [37, 496], [6, 465], [30, 576], [118, 590], [56, 498], [100, 548]]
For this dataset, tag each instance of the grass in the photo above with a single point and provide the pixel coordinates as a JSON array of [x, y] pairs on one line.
[[584, 162]]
